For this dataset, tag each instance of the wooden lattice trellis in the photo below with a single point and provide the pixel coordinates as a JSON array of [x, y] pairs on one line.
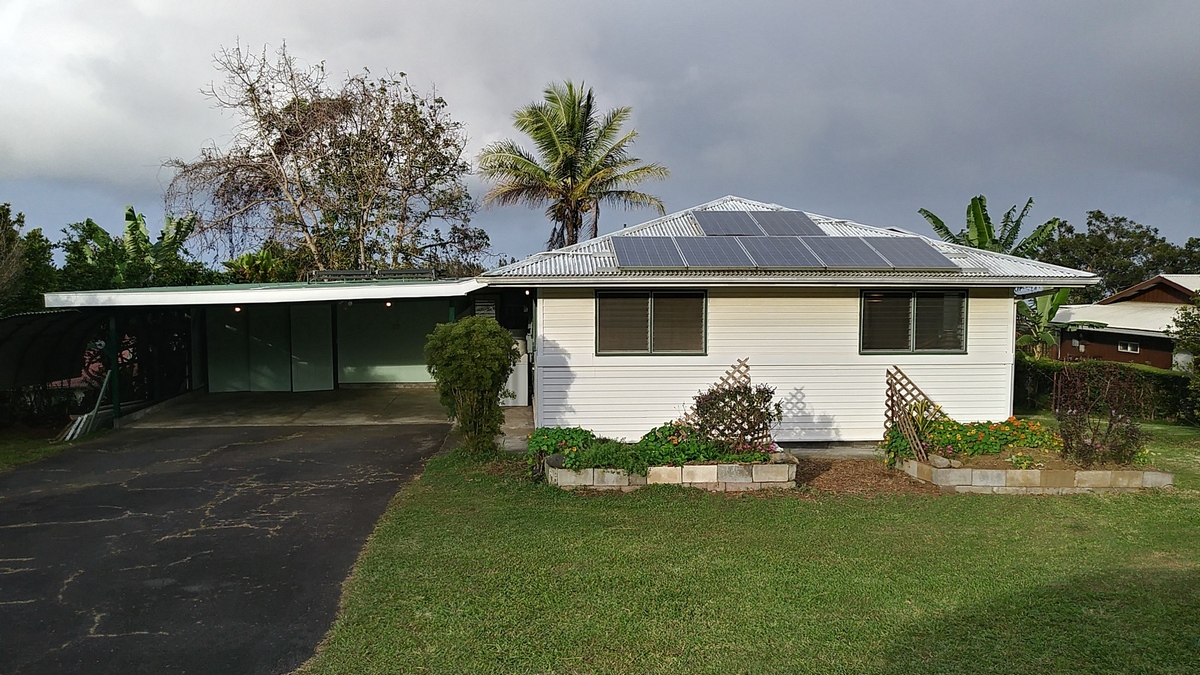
[[738, 375], [903, 395]]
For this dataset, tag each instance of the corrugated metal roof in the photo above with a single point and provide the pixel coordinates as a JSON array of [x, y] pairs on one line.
[[1149, 317], [594, 259]]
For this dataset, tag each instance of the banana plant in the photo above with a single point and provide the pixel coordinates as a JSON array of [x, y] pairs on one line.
[[981, 234], [1036, 333]]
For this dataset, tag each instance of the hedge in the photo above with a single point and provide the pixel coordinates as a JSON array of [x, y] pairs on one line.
[[1033, 386]]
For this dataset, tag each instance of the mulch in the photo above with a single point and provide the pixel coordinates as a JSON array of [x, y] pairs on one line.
[[858, 477]]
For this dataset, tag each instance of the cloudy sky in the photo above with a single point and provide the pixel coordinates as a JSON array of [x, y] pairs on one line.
[[858, 110]]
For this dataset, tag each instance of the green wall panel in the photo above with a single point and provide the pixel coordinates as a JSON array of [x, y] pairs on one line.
[[381, 344], [228, 354], [270, 347], [312, 347]]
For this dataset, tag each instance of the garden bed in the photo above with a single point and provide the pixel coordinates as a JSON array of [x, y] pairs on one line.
[[1034, 481], [781, 474]]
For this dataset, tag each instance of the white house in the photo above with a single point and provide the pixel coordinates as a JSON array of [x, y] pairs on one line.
[[629, 326]]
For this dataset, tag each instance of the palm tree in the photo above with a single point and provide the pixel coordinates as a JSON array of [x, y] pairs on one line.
[[980, 233], [582, 160]]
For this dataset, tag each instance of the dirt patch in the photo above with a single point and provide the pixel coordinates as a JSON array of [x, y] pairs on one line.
[[857, 477]]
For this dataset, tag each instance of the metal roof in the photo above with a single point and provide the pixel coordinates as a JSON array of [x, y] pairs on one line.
[[593, 261], [1145, 318], [227, 294]]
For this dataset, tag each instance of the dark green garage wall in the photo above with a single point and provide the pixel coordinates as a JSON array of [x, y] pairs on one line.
[[377, 343]]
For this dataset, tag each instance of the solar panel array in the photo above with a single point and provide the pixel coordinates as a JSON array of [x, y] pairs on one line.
[[756, 224], [911, 254]]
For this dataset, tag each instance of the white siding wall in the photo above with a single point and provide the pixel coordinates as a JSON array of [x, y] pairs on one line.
[[803, 342]]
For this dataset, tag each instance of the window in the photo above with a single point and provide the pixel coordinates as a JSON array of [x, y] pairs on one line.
[[660, 322], [1128, 347], [914, 321]]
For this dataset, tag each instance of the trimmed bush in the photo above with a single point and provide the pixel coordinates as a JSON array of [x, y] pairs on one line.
[[740, 417], [471, 360], [1095, 409], [1166, 390]]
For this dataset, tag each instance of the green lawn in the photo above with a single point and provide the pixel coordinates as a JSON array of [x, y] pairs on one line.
[[473, 570], [26, 445]]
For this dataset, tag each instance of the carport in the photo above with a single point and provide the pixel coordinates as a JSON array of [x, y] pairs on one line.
[[328, 335]]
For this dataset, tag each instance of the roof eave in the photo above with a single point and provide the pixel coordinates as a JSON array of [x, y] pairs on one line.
[[809, 282], [252, 295]]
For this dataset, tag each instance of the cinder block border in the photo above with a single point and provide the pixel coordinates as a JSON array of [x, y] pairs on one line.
[[1034, 481], [711, 477]]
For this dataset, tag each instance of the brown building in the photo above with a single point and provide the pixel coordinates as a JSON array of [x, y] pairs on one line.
[[1129, 326]]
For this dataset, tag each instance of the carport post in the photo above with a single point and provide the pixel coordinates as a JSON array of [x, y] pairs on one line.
[[114, 366]]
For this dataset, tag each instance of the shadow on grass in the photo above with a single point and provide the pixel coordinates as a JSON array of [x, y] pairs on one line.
[[1141, 620]]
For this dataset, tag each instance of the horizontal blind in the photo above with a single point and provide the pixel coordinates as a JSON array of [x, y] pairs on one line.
[[678, 323], [887, 321], [941, 321], [623, 323]]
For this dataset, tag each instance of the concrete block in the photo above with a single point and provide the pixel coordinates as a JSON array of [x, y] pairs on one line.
[[989, 477], [551, 475], [1013, 490], [770, 473], [734, 473], [1023, 478], [709, 486], [973, 489], [700, 473], [741, 486], [664, 474], [909, 467], [1157, 479], [924, 472], [791, 472], [1058, 478], [952, 477], [1127, 479], [582, 477], [637, 479], [611, 477], [1093, 479]]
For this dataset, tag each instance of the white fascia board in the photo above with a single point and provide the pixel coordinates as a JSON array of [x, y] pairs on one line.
[[254, 295], [815, 282]]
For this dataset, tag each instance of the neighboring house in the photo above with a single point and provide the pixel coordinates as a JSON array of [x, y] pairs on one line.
[[1130, 326], [631, 325]]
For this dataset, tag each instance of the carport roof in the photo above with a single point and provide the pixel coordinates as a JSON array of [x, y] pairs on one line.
[[249, 294]]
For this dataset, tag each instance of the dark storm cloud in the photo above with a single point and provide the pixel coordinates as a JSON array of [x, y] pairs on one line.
[[857, 110]]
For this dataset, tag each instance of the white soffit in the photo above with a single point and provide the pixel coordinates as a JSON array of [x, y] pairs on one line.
[[252, 294]]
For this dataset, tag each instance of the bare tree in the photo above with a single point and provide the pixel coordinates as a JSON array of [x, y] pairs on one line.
[[353, 176], [12, 252]]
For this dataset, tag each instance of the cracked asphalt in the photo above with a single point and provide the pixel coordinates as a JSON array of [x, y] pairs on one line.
[[214, 550]]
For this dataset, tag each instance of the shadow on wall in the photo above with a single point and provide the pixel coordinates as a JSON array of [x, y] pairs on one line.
[[800, 421], [1131, 620]]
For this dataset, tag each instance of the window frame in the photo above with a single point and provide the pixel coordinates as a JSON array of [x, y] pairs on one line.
[[703, 293], [912, 321], [1137, 347]]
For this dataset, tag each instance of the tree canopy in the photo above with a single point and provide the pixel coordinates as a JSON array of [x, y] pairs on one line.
[[580, 160], [981, 234], [1121, 251], [355, 175], [26, 265]]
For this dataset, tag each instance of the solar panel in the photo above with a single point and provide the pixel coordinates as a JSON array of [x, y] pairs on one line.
[[657, 252], [713, 252], [846, 253], [726, 223], [784, 223], [911, 253], [780, 252]]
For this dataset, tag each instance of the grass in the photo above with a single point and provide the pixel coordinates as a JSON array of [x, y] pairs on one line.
[[22, 446], [473, 570]]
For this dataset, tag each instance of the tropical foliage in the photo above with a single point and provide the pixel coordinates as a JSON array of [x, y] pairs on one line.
[[580, 161], [981, 234], [94, 259], [1034, 330]]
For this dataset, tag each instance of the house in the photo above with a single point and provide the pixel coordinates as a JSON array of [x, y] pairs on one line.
[[624, 329], [629, 326], [1130, 326]]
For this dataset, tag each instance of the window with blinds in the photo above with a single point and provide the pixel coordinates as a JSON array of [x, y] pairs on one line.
[[660, 322], [914, 321]]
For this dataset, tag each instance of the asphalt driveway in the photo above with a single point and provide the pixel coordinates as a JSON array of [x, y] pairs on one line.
[[213, 550]]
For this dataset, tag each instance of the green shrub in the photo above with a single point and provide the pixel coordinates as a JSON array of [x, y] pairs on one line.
[[471, 360], [676, 443], [1166, 390], [610, 454], [546, 441]]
